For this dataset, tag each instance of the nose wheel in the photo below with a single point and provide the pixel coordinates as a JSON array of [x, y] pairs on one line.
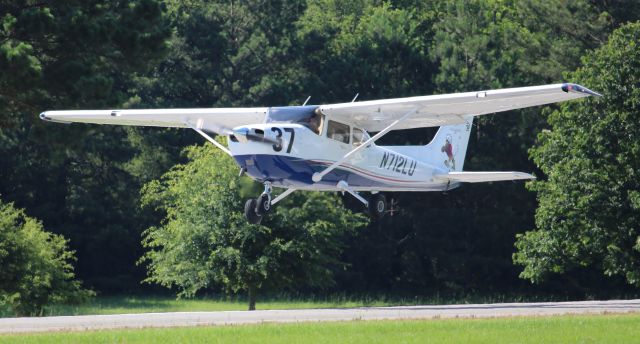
[[264, 204], [250, 211], [257, 208]]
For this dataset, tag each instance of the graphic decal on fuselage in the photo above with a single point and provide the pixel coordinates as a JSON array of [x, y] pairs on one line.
[[398, 163]]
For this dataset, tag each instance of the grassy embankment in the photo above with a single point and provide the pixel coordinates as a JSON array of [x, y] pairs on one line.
[[147, 304], [560, 329]]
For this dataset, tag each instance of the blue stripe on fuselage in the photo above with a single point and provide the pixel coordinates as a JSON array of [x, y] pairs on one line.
[[291, 172]]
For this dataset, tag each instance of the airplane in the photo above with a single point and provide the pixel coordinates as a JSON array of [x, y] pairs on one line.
[[329, 148]]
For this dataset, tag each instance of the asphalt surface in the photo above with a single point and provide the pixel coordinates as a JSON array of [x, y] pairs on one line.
[[178, 319]]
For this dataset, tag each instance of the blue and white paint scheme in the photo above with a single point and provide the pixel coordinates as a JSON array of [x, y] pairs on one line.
[[379, 168], [328, 148]]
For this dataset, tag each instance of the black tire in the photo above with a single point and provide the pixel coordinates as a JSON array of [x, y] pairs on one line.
[[250, 212], [377, 206], [263, 205]]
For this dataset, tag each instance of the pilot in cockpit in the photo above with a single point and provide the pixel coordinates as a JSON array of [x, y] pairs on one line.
[[315, 122]]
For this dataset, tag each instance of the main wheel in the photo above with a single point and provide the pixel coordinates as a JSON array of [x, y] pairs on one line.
[[250, 212], [377, 206], [263, 204]]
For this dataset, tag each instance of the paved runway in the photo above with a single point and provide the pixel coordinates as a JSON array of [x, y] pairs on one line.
[[122, 321]]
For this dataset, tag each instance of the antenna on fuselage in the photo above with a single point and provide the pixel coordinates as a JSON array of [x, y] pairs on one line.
[[305, 102], [354, 98]]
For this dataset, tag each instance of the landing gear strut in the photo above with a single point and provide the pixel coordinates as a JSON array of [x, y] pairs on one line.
[[376, 205]]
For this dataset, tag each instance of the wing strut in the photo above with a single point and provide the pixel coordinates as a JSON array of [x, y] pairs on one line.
[[209, 138], [319, 175]]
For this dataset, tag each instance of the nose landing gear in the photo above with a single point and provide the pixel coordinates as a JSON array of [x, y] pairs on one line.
[[250, 211], [256, 209]]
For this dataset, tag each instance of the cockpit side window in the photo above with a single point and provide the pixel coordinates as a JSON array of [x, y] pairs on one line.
[[359, 136], [338, 131]]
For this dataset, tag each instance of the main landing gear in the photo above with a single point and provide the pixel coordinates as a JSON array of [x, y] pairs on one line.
[[256, 209], [376, 205]]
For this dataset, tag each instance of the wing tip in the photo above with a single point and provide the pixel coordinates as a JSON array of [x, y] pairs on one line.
[[575, 88], [530, 176], [47, 118]]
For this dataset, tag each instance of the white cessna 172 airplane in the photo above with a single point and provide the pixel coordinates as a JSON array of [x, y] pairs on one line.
[[327, 147]]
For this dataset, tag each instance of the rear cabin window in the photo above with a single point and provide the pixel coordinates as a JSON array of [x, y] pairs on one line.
[[338, 131]]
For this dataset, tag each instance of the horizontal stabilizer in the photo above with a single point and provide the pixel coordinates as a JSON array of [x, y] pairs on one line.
[[478, 177]]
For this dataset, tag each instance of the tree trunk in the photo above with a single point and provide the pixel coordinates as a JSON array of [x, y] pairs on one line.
[[252, 298]]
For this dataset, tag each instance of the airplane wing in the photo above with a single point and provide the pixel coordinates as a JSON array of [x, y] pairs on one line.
[[213, 119], [478, 177], [448, 109]]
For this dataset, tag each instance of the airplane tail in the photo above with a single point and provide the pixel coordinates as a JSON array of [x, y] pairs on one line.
[[448, 148], [447, 151]]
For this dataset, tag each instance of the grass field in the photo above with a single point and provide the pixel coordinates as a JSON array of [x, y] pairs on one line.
[[146, 304], [561, 329]]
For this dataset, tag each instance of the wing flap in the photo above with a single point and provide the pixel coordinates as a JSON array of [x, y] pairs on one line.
[[478, 177], [448, 109]]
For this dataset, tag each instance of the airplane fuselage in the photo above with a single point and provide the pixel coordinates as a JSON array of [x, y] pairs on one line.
[[292, 153]]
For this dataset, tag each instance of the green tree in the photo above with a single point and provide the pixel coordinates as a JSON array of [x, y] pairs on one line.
[[589, 206], [66, 55], [204, 241], [461, 240], [372, 48], [36, 265], [493, 44], [225, 54]]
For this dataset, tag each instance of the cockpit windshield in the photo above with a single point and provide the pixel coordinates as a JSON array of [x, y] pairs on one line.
[[305, 115]]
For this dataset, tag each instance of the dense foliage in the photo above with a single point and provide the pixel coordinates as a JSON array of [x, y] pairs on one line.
[[36, 265], [83, 181], [76, 54], [589, 207]]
